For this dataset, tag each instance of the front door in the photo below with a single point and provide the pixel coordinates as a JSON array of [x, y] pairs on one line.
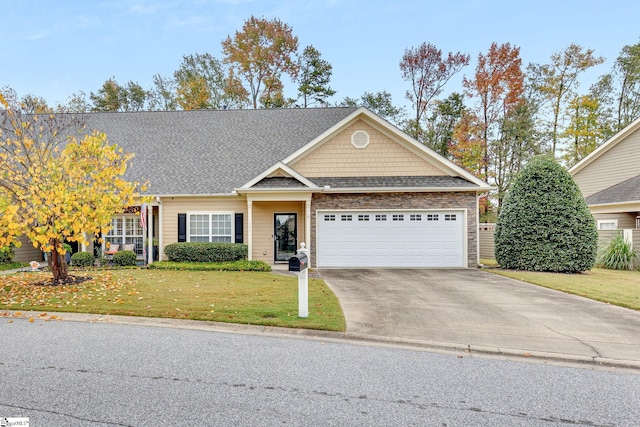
[[285, 232]]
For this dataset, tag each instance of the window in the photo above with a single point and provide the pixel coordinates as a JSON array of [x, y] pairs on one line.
[[607, 224], [398, 217], [126, 230], [363, 217], [210, 227], [346, 217], [381, 217], [360, 139], [329, 217], [432, 217], [450, 217], [415, 217]]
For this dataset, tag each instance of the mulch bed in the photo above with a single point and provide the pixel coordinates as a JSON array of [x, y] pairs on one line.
[[70, 280]]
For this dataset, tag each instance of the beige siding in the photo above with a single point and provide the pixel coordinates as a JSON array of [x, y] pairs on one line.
[[605, 236], [625, 220], [263, 218], [486, 239], [382, 157], [172, 206], [618, 164], [27, 252]]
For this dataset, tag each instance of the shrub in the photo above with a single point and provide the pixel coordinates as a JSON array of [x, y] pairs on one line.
[[619, 255], [124, 258], [544, 223], [242, 265], [82, 259], [205, 252], [6, 254]]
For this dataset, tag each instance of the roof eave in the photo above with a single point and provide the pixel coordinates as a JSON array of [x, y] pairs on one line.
[[406, 189], [279, 190], [615, 207]]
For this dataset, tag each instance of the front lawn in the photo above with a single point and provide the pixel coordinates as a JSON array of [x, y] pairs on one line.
[[611, 286], [257, 298], [13, 266]]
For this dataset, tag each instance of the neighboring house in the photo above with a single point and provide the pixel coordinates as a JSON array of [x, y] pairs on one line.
[[609, 179], [357, 190]]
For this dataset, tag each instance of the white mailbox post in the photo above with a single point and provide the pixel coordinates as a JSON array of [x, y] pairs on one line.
[[299, 264]]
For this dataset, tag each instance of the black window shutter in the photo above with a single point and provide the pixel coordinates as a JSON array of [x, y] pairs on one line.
[[239, 230], [182, 227]]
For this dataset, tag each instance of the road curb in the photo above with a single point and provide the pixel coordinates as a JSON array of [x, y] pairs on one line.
[[461, 350]]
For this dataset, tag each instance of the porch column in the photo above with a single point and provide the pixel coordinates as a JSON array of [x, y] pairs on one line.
[[249, 229], [160, 231], [150, 234], [307, 223]]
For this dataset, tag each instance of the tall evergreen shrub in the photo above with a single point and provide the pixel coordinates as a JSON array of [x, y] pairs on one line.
[[544, 223]]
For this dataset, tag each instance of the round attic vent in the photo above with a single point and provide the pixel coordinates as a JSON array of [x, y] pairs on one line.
[[360, 139]]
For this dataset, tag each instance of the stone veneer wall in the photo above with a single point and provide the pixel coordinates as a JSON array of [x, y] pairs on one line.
[[366, 201]]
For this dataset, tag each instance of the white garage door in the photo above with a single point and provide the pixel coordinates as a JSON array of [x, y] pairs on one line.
[[391, 239]]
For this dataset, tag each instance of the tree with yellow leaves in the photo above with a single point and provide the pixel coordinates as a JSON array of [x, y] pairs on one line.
[[57, 182]]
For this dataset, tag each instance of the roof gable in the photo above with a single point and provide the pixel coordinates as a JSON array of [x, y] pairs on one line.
[[615, 161], [279, 176], [605, 147], [390, 152]]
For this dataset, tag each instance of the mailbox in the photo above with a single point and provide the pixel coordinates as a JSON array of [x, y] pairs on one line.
[[298, 262]]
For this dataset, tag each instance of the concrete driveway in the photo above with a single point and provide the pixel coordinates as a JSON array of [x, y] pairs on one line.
[[478, 311]]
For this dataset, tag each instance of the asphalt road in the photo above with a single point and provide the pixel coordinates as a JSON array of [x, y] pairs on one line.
[[63, 373]]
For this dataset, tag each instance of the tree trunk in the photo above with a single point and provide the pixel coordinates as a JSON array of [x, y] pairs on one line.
[[58, 264]]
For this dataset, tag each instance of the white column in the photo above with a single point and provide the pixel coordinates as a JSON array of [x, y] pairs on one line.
[[249, 229], [160, 231], [150, 234]]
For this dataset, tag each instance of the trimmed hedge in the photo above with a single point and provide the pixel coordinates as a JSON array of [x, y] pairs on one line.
[[124, 258], [544, 223], [82, 259], [242, 265], [205, 252]]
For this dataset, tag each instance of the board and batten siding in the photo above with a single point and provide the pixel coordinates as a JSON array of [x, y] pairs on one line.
[[172, 206], [383, 156], [619, 163]]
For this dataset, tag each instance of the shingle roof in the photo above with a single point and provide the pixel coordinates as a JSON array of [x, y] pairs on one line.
[[210, 152], [626, 191]]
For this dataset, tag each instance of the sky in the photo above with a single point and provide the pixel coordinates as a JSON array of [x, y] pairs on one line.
[[53, 49]]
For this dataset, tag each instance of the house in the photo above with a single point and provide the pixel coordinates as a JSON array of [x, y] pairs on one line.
[[358, 191], [609, 179]]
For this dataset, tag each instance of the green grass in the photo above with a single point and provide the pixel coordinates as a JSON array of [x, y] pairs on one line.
[[13, 266], [611, 286], [258, 298]]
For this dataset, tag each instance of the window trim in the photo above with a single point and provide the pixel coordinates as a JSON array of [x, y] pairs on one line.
[[231, 216], [607, 221], [122, 238]]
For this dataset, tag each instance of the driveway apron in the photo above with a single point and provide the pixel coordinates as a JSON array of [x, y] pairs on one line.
[[475, 309]]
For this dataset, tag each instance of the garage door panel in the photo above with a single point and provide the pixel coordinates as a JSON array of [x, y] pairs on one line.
[[390, 239]]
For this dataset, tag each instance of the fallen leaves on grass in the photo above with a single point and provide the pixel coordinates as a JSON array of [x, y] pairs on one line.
[[25, 290]]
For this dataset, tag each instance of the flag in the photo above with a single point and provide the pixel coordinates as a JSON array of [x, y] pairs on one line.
[[143, 216]]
